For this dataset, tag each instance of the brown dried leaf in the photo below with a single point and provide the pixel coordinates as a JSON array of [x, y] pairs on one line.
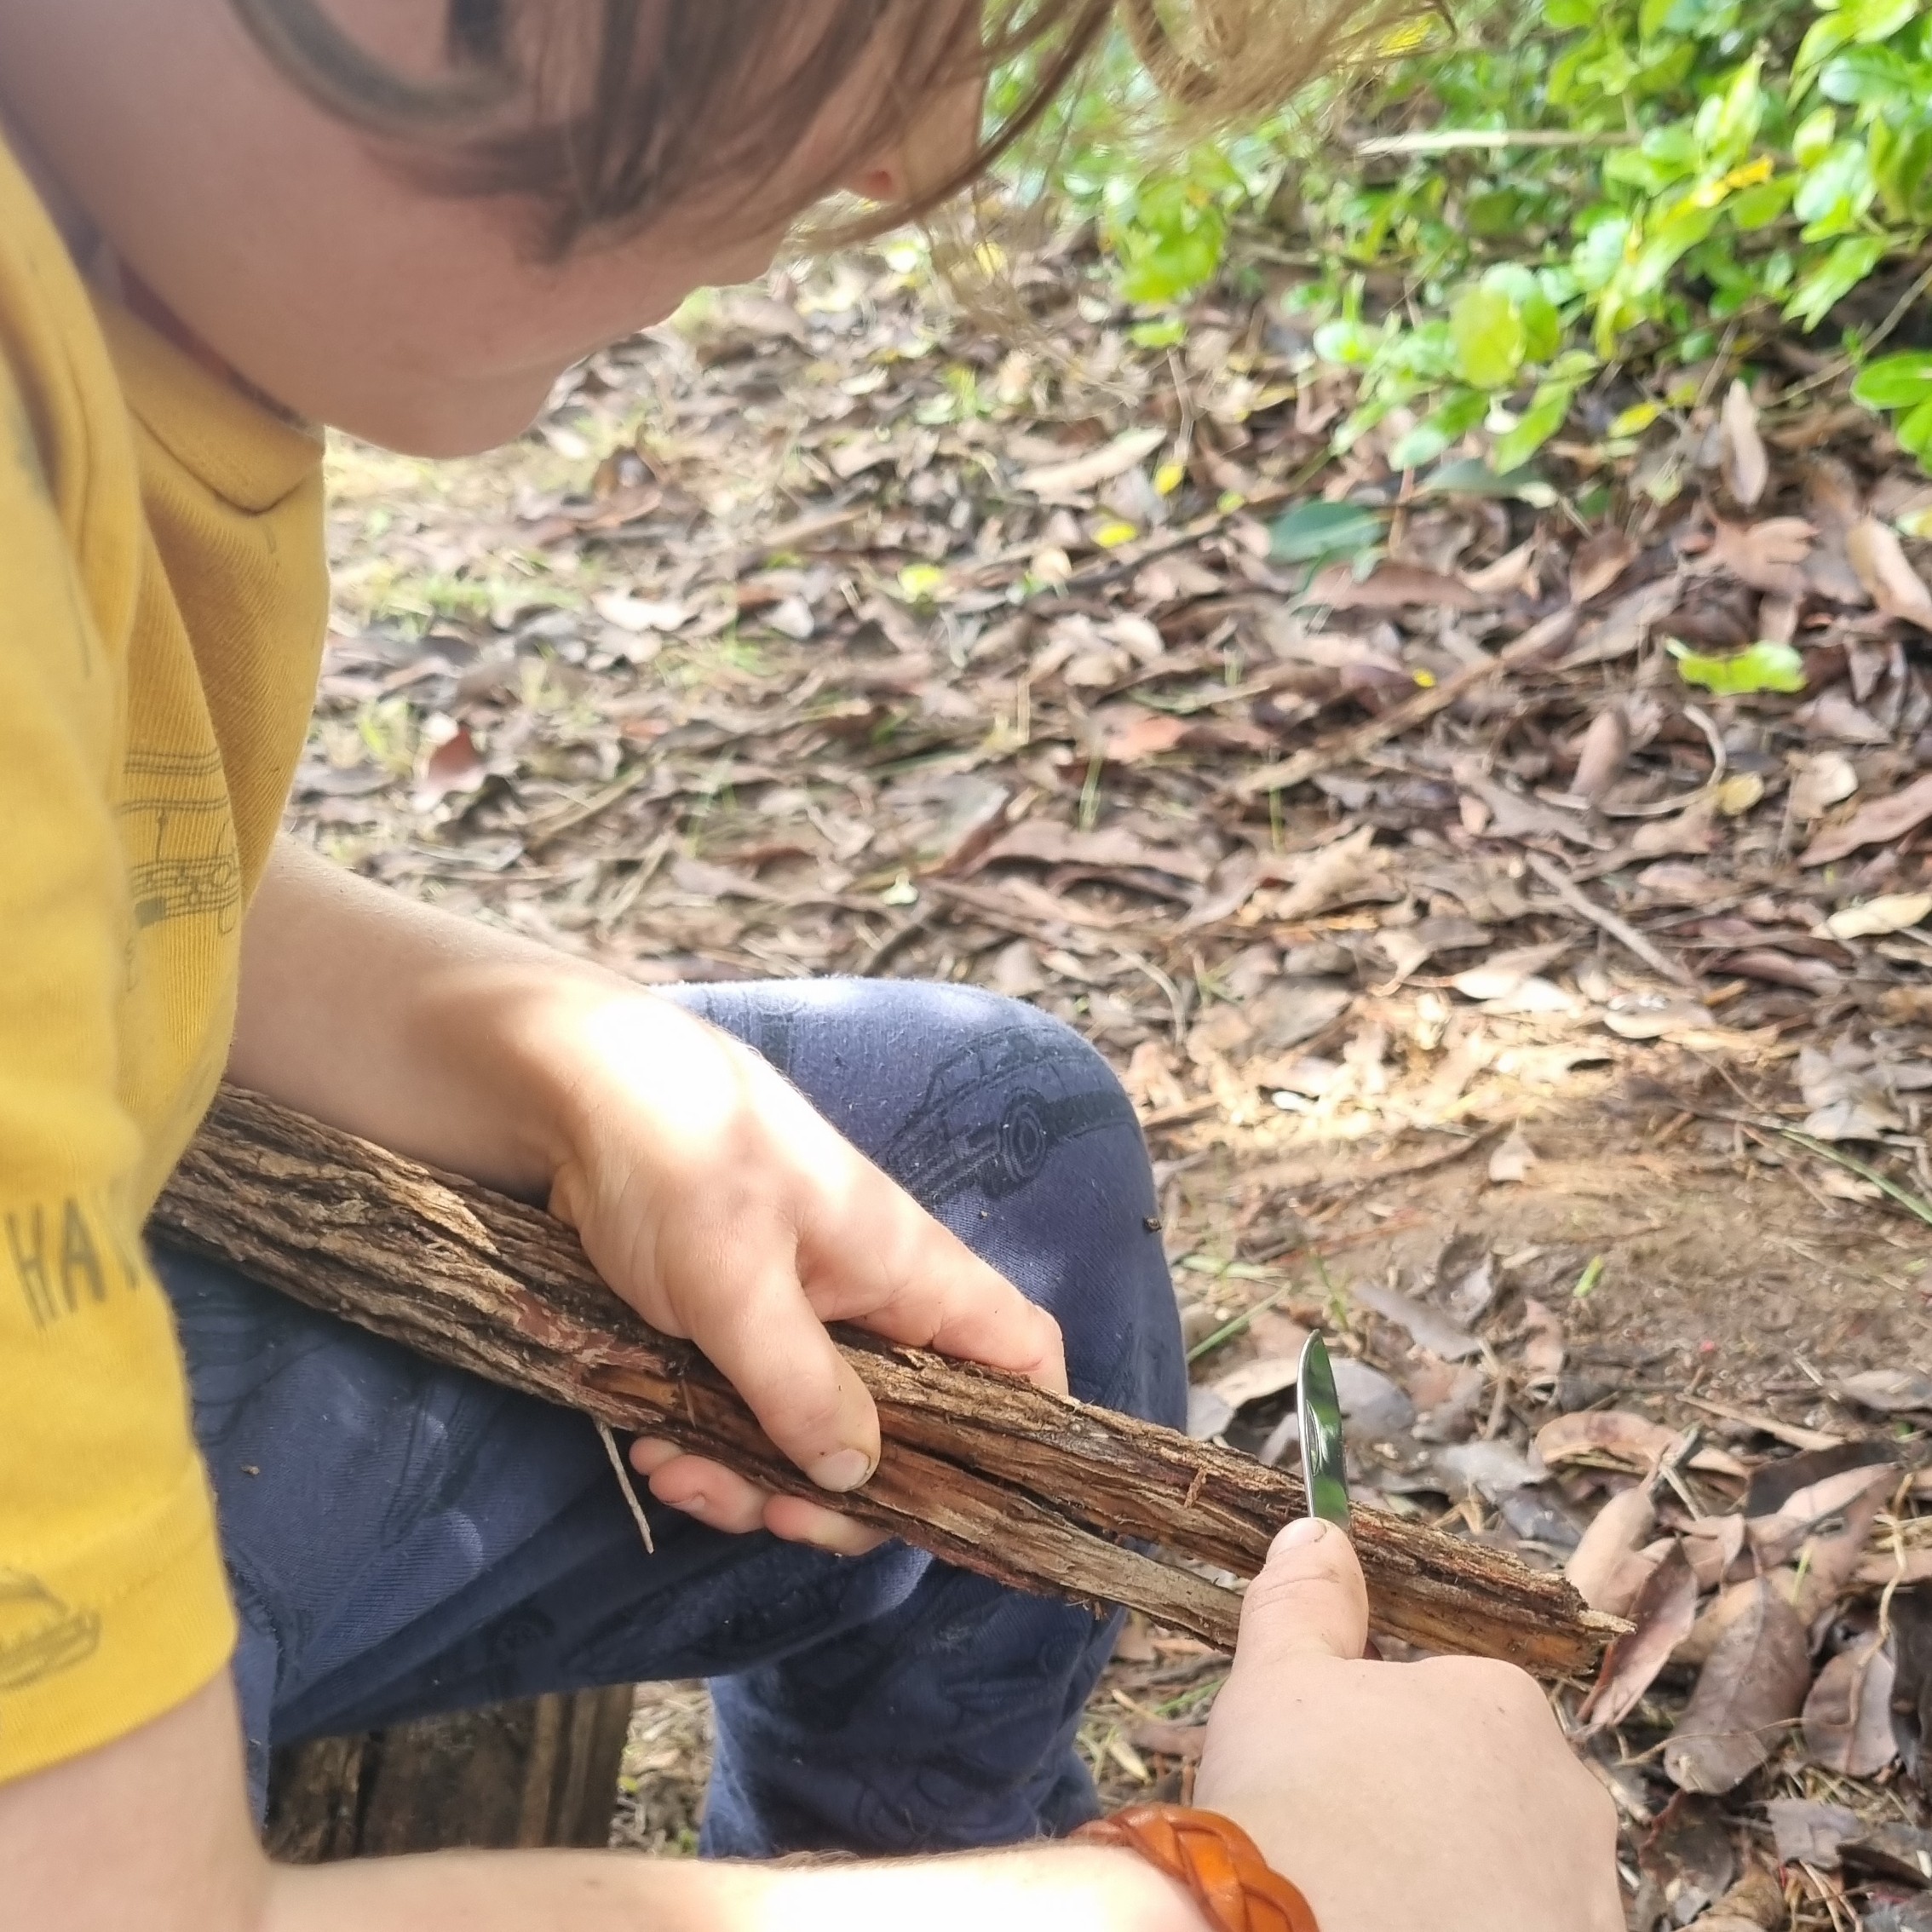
[[1746, 467], [1882, 567], [1847, 1718], [1620, 1528], [1598, 562], [1634, 1442], [1662, 1612], [1889, 1391], [1768, 555], [1055, 482], [1391, 587], [1877, 822], [1808, 1833], [1746, 1696], [1824, 780], [1143, 735], [1606, 747], [1110, 849]]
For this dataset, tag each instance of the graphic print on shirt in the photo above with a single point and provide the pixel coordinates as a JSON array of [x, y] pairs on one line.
[[178, 827], [63, 1257], [994, 1111], [40, 1635]]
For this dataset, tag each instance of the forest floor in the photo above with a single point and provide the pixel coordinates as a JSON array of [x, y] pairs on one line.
[[1551, 1029]]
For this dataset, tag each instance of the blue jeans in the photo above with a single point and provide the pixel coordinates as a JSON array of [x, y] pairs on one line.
[[403, 1539]]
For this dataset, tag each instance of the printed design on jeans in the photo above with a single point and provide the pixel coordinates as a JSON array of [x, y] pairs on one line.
[[995, 1112], [40, 1636], [179, 831]]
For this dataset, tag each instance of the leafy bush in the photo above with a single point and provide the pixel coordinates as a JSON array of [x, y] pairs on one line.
[[1615, 180]]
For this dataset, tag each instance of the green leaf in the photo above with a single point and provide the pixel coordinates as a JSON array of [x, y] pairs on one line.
[[1812, 139], [1538, 424], [1914, 432], [1766, 666], [1458, 416], [1896, 382], [1314, 532], [1487, 328], [1840, 272], [1470, 476], [1169, 333]]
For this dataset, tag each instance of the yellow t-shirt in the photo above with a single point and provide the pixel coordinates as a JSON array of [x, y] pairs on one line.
[[163, 599]]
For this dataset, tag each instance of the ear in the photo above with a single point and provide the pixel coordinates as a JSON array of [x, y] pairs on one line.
[[941, 142], [886, 181]]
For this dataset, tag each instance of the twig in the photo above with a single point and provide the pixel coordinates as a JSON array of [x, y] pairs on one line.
[[1584, 906], [1349, 745], [553, 827], [895, 942], [1842, 365], [625, 1484], [1912, 1203]]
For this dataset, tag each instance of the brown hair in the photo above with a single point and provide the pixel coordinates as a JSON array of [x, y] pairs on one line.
[[606, 113]]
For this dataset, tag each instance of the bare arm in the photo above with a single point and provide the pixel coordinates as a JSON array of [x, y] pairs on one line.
[[1397, 1796], [152, 1835]]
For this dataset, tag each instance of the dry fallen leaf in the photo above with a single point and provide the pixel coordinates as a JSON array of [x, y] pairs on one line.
[[1662, 1612], [1606, 748], [1746, 467], [1882, 567], [1848, 1716], [1056, 482], [1877, 822], [1889, 1391], [1619, 1530], [1746, 1696], [1614, 1436], [1891, 912], [1822, 780], [1390, 587], [1808, 1832], [1598, 562], [1768, 555]]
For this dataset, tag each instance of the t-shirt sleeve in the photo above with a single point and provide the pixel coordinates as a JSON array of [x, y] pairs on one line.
[[113, 1606]]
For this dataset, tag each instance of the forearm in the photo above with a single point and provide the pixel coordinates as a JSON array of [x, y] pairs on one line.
[[184, 1858], [1046, 1889], [414, 1028]]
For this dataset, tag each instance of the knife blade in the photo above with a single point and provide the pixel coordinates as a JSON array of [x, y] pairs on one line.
[[1318, 1408]]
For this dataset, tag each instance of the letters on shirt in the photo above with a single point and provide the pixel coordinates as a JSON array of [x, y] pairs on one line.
[[64, 1256]]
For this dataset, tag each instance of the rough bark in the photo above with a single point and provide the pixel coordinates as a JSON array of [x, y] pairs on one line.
[[988, 1472]]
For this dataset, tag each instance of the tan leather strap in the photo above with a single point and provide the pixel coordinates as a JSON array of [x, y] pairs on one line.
[[1215, 1858]]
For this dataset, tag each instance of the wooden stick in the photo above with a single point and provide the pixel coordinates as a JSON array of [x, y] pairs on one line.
[[981, 1468]]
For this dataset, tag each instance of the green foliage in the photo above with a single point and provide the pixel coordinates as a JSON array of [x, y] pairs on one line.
[[1765, 666], [1695, 166]]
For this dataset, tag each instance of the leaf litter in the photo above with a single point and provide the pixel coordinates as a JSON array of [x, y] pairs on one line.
[[1499, 905]]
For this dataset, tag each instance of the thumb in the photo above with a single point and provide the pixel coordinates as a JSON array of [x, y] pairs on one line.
[[1310, 1600]]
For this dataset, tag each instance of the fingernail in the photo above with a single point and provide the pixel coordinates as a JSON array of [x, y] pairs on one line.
[[1300, 1533], [845, 1470]]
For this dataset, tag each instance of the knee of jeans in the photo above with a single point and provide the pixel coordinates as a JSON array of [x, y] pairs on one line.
[[1066, 1195]]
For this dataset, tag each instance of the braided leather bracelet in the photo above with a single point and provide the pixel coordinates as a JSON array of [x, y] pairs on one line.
[[1215, 1858]]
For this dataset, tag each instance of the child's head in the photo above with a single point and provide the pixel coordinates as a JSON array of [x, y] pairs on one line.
[[405, 217]]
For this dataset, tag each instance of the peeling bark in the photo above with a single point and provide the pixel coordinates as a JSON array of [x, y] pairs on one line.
[[981, 1469]]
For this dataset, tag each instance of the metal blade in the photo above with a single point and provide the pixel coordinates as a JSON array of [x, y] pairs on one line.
[[1319, 1409]]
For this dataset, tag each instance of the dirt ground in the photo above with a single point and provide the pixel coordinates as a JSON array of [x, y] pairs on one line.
[[1550, 1030]]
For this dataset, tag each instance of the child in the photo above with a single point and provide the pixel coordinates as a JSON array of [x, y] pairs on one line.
[[223, 222]]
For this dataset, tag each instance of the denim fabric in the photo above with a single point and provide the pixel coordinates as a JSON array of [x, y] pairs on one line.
[[405, 1539]]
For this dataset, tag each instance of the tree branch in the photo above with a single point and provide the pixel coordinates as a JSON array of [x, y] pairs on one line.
[[986, 1471]]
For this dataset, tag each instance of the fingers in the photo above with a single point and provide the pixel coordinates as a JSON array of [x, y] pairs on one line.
[[1310, 1600], [768, 1342], [881, 1261], [723, 1500]]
